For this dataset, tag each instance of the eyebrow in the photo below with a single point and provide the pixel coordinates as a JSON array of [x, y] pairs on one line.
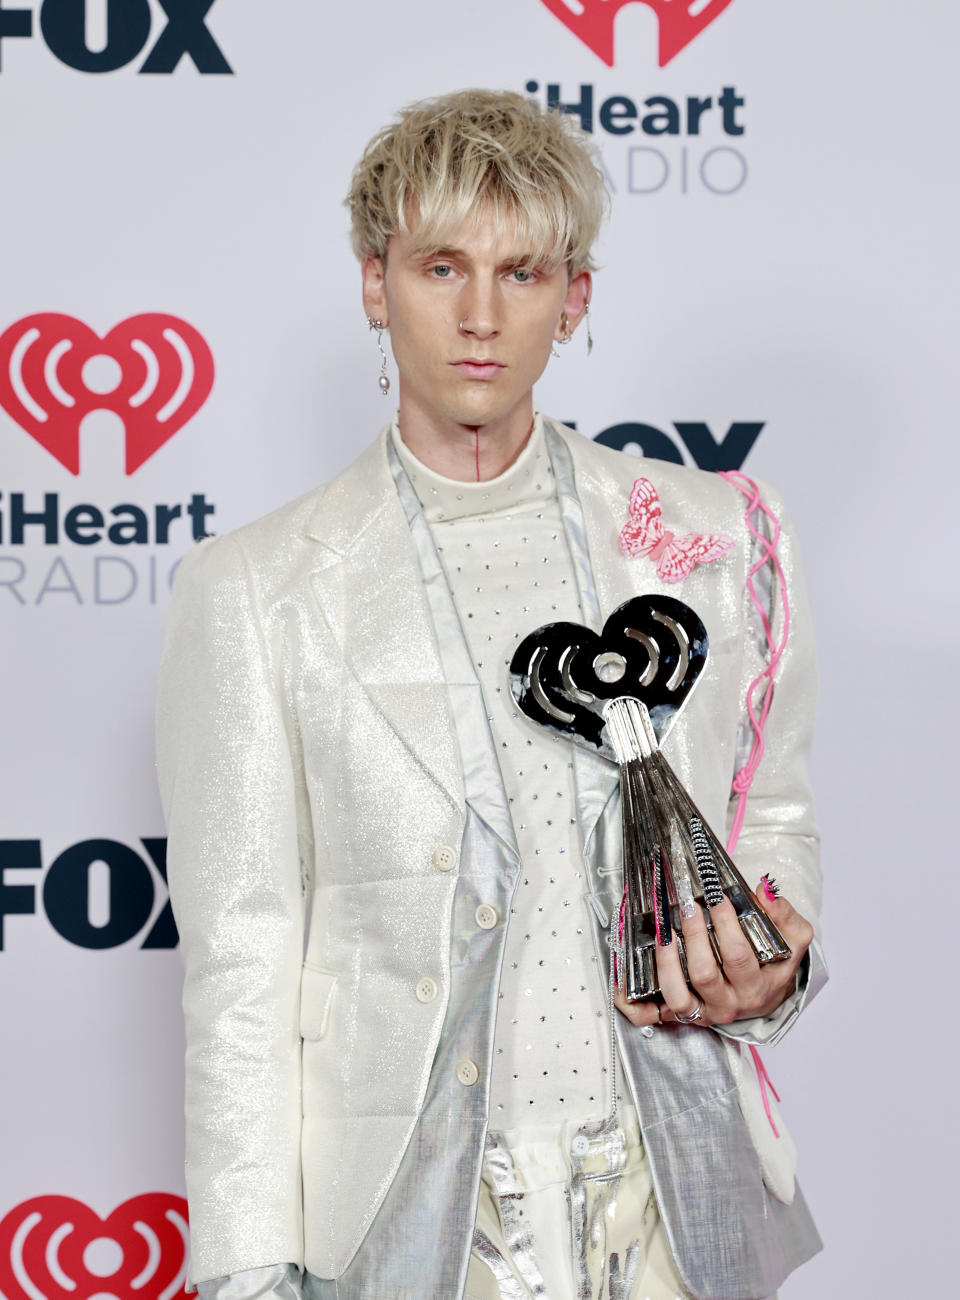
[[520, 259], [442, 251]]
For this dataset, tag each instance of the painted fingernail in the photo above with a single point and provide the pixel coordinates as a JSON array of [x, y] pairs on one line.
[[661, 903], [706, 867], [771, 890], [687, 910]]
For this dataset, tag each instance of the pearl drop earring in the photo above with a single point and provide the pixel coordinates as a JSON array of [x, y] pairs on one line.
[[384, 380]]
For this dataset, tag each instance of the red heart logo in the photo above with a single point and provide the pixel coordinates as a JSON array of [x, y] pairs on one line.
[[680, 22], [165, 376], [58, 1248]]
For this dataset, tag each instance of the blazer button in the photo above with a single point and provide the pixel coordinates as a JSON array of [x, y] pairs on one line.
[[427, 989], [445, 858], [486, 917], [467, 1073]]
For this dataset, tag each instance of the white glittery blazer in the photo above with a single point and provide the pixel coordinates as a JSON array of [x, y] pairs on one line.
[[314, 796]]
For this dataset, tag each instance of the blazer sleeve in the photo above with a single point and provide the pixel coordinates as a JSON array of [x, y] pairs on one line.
[[227, 787], [779, 835]]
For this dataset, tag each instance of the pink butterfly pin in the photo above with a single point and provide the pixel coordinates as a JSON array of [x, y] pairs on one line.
[[675, 557]]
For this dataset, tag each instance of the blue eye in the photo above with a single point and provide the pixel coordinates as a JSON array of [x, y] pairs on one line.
[[443, 271], [523, 276]]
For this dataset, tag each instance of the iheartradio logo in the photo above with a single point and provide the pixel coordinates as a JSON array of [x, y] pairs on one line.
[[153, 370], [679, 22], [57, 1248]]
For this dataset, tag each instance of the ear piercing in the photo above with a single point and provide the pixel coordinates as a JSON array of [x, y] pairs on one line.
[[567, 335], [384, 380]]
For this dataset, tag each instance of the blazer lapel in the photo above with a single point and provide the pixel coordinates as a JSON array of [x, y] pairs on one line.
[[603, 502], [587, 519], [368, 590], [594, 506]]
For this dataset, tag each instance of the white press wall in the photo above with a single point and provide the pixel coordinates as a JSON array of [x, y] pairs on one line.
[[816, 298]]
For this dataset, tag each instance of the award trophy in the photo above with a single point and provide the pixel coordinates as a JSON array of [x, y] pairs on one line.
[[618, 693]]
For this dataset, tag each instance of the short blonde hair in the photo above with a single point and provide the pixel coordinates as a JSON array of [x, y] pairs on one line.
[[473, 151]]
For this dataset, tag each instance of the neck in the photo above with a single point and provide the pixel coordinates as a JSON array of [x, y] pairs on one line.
[[466, 452]]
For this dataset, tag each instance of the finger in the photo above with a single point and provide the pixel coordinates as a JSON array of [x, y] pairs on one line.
[[702, 969], [740, 966], [794, 927], [673, 982], [638, 1013]]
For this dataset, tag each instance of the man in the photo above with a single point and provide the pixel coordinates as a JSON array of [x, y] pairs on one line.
[[393, 890]]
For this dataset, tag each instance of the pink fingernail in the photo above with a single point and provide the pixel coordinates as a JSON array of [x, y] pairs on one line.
[[771, 889]]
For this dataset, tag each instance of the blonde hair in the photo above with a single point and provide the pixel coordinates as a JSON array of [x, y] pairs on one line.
[[480, 151]]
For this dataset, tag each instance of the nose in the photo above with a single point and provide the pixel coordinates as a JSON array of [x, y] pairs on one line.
[[479, 310]]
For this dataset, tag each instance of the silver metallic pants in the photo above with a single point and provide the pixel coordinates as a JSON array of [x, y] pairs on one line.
[[567, 1212]]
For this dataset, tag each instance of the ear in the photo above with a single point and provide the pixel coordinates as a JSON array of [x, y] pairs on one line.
[[374, 289], [576, 302]]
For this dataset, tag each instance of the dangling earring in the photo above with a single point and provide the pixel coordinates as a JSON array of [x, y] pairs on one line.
[[565, 326], [384, 380], [586, 312]]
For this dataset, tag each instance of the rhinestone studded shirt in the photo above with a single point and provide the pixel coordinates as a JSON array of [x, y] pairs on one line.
[[505, 555]]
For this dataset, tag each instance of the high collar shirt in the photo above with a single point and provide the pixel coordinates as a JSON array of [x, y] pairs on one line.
[[504, 552]]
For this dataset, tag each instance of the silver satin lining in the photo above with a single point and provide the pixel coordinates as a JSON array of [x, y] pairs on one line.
[[281, 1281]]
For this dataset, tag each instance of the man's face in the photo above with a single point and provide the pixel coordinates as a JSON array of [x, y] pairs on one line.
[[480, 375]]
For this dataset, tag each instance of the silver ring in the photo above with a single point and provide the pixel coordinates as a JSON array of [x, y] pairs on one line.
[[460, 326], [689, 1020]]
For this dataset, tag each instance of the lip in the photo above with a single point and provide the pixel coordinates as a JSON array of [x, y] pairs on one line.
[[478, 367]]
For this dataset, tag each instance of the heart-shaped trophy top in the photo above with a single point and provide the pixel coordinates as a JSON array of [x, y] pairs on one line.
[[652, 649]]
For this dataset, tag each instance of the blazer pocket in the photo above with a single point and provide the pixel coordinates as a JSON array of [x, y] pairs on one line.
[[317, 989]]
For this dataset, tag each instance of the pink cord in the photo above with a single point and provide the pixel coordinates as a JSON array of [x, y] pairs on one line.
[[743, 779], [765, 1083]]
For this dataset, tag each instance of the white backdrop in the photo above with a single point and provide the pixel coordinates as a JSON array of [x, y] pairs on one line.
[[795, 269]]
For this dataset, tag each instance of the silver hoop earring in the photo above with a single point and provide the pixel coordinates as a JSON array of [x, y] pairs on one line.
[[586, 312], [384, 380], [565, 326]]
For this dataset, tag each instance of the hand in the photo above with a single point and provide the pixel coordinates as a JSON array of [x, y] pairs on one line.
[[743, 988]]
